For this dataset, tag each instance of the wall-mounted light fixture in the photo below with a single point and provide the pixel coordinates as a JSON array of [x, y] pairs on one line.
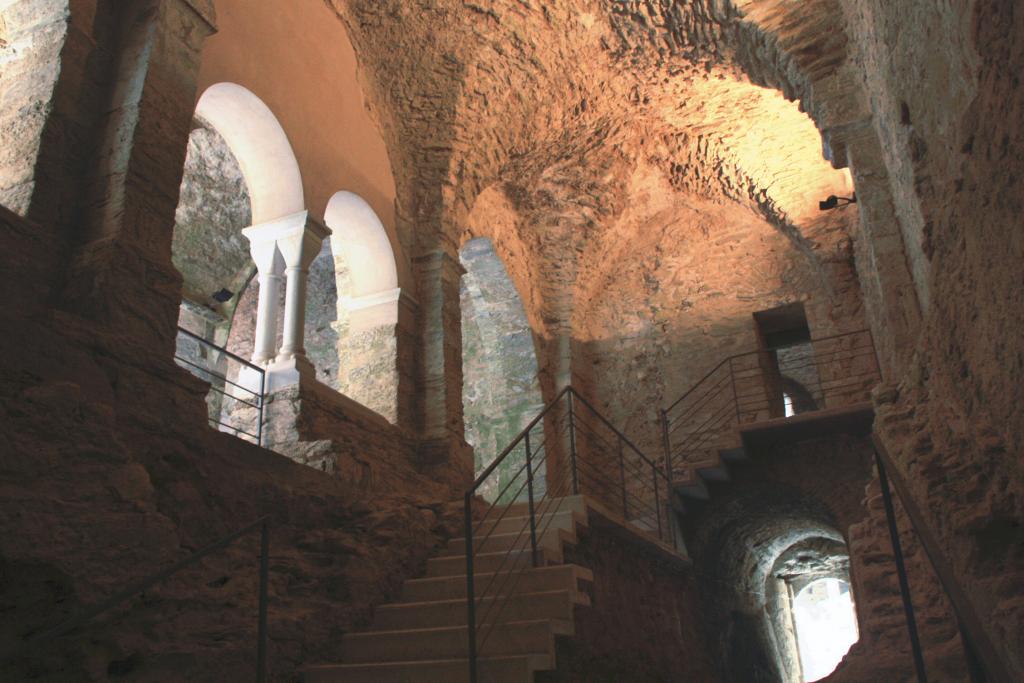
[[222, 296], [833, 202]]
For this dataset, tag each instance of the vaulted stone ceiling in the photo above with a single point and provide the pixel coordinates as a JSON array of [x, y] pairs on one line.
[[586, 113]]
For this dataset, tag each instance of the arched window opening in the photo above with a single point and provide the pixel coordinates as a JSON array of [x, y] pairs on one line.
[[787, 405], [501, 392], [826, 625], [365, 276], [212, 255], [241, 214]]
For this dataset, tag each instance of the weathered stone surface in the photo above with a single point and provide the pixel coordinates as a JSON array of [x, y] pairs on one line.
[[209, 249], [149, 502], [644, 174]]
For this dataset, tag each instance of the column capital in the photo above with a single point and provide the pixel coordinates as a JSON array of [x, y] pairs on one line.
[[279, 228], [295, 239]]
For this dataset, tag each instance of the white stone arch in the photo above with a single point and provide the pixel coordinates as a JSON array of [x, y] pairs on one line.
[[261, 147], [358, 236], [283, 240], [368, 303]]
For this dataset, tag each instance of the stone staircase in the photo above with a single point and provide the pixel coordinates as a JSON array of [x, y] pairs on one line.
[[423, 637], [691, 480]]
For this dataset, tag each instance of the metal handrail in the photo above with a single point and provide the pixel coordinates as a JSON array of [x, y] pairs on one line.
[[753, 353], [260, 396], [263, 524], [983, 660], [698, 424], [518, 439], [232, 356], [581, 473]]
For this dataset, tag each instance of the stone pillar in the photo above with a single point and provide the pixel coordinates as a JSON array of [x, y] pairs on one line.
[[130, 188], [439, 273], [442, 449], [406, 351]]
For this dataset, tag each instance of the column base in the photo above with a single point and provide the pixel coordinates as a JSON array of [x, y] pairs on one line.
[[287, 373], [250, 382]]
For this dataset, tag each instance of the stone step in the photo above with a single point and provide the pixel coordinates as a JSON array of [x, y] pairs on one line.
[[555, 577], [506, 560], [525, 607], [515, 669], [712, 470], [733, 454], [552, 538], [451, 642], [694, 486], [521, 509], [562, 519]]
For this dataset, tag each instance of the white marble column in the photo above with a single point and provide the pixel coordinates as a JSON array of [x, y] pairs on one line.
[[298, 248], [269, 266], [286, 246]]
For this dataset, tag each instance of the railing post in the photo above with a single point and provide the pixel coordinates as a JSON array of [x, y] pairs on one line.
[[263, 402], [901, 571], [622, 476], [657, 498], [261, 634], [470, 588], [665, 442], [735, 396], [529, 498], [572, 446]]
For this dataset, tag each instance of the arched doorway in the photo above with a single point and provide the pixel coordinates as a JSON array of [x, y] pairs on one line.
[[501, 392]]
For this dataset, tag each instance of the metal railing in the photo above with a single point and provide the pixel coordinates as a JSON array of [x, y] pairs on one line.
[[829, 372], [982, 659], [87, 615], [580, 452], [232, 404]]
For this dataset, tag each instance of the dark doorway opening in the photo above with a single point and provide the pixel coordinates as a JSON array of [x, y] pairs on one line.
[[787, 361]]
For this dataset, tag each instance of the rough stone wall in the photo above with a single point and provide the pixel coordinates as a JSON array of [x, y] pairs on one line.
[[946, 95], [367, 367], [563, 141], [108, 456], [884, 646], [33, 36], [675, 294], [209, 249], [642, 625]]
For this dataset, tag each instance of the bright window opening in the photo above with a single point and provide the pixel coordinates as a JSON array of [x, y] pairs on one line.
[[787, 402], [826, 626]]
